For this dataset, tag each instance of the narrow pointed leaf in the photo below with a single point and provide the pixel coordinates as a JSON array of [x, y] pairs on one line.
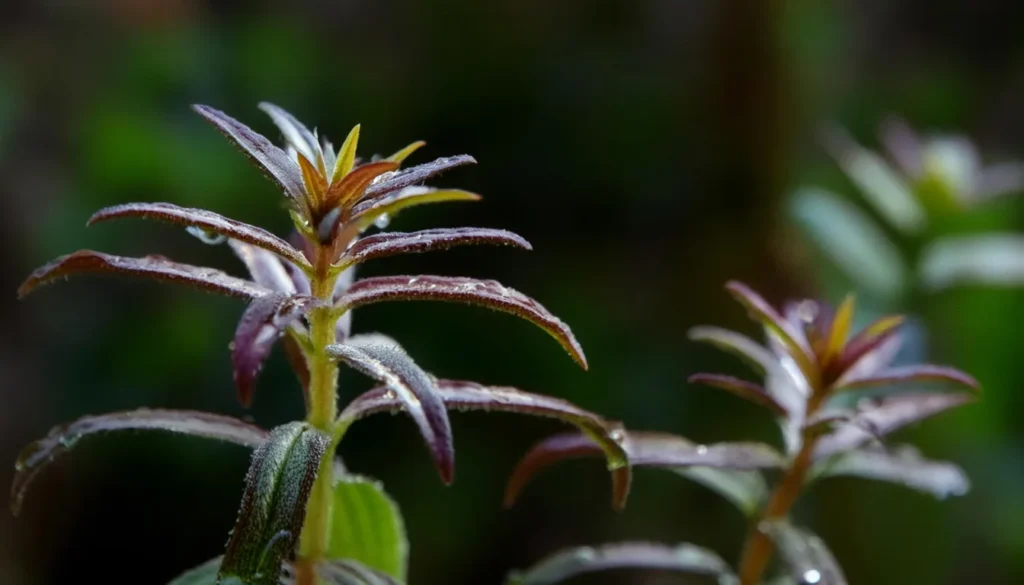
[[902, 465], [351, 188], [914, 374], [417, 174], [155, 267], [383, 359], [486, 293], [765, 314], [400, 156], [997, 180], [393, 243], [274, 162], [316, 184], [885, 415], [204, 574], [902, 145], [872, 349], [746, 390], [986, 260], [347, 156], [206, 220], [294, 131], [806, 555], [683, 558], [38, 455], [273, 506], [368, 211], [266, 269], [746, 490], [259, 328], [738, 344], [839, 330], [366, 526]]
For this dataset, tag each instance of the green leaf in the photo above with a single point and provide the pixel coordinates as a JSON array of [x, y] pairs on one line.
[[204, 574], [367, 526], [274, 504]]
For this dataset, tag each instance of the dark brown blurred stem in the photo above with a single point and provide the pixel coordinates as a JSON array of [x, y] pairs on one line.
[[758, 550]]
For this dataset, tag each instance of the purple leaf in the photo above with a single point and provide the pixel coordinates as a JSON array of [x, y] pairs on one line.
[[806, 555], [885, 415], [911, 374], [684, 558], [368, 211], [486, 293], [877, 356], [859, 351], [738, 344], [155, 267], [903, 146], [267, 269], [381, 358], [902, 465], [793, 340], [560, 447], [206, 220], [297, 360], [35, 457], [259, 328], [747, 390], [294, 131], [274, 162], [393, 243], [415, 175]]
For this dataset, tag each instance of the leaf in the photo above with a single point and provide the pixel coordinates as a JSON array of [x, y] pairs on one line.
[[352, 573], [260, 326], [746, 490], [38, 455], [746, 390], [684, 558], [368, 211], [487, 293], [204, 574], [347, 191], [996, 181], [274, 162], [872, 349], [987, 260], [902, 465], [400, 156], [808, 558], [273, 506], [599, 435], [910, 374], [417, 174], [765, 314], [367, 526], [315, 183], [839, 330], [381, 358], [738, 344], [206, 220], [393, 243], [266, 269], [347, 156], [155, 267], [885, 415], [903, 146], [294, 131]]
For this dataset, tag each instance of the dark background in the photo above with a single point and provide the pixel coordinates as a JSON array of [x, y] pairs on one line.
[[646, 149]]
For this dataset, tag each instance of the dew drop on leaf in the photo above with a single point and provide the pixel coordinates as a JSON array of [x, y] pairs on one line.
[[382, 221], [206, 236], [812, 576]]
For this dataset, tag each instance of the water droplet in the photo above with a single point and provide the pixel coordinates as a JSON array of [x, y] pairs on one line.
[[702, 450], [382, 221], [812, 576], [206, 236], [618, 435], [413, 280]]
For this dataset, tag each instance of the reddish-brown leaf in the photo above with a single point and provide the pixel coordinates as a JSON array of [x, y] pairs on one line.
[[486, 293], [919, 373], [155, 267], [268, 270], [393, 243], [794, 341], [747, 390], [350, 189]]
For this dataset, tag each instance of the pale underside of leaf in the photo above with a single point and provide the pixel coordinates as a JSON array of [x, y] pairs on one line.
[[383, 359], [915, 374], [38, 455], [155, 267], [368, 211], [747, 490], [367, 526], [415, 175], [487, 293], [983, 260], [684, 558], [294, 131], [393, 243], [901, 465], [206, 220], [794, 341], [808, 558], [752, 352]]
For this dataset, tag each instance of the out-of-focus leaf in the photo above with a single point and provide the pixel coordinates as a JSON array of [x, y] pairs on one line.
[[872, 349], [273, 161], [885, 415], [38, 455], [266, 269], [761, 311], [954, 162], [400, 156], [393, 243], [486, 293], [809, 560], [738, 344], [746, 390], [347, 156], [417, 174], [917, 373], [349, 573], [998, 180], [155, 267], [851, 240], [878, 182], [273, 506], [684, 558], [902, 145], [351, 188], [383, 359], [294, 131], [259, 328], [366, 526], [368, 212], [987, 260], [599, 436], [746, 490], [206, 220], [902, 465], [838, 331], [204, 574]]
